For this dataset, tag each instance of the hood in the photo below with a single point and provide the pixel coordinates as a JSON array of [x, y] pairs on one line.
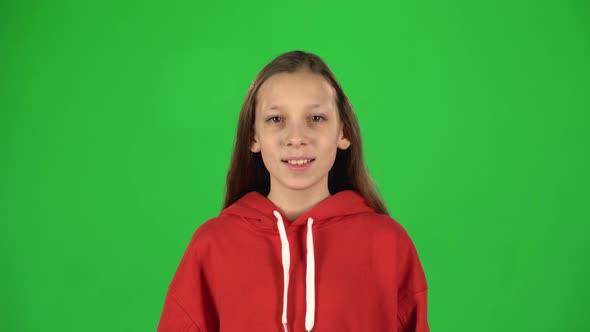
[[254, 206], [263, 213]]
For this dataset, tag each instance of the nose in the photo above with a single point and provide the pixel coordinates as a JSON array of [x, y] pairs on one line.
[[297, 135]]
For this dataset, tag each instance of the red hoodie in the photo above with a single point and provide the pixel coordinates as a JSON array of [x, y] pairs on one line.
[[338, 267]]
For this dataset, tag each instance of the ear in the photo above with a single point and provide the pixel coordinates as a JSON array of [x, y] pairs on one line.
[[343, 142], [255, 145]]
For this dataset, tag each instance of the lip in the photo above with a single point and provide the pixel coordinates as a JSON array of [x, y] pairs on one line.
[[299, 168], [298, 158]]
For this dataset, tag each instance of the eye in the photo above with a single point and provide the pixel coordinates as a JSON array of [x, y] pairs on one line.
[[273, 119], [318, 116]]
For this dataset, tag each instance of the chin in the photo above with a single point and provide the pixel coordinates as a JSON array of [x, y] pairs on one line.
[[299, 183]]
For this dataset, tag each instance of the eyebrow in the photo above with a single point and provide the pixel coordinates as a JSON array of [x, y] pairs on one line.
[[278, 107]]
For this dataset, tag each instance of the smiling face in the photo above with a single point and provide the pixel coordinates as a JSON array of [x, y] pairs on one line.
[[297, 117]]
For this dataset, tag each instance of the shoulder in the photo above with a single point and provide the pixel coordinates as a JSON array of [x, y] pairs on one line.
[[391, 239], [386, 233], [208, 233], [383, 225], [211, 226]]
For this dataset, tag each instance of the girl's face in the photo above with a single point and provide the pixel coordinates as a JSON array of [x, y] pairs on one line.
[[296, 116]]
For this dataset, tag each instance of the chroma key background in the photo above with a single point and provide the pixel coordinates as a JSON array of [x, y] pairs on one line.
[[117, 120]]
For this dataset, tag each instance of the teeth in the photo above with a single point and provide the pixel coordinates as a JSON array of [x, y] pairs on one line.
[[298, 162]]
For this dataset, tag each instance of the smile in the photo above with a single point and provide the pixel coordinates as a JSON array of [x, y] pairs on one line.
[[298, 165], [299, 162]]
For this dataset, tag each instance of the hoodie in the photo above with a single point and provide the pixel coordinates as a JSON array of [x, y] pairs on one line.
[[338, 267]]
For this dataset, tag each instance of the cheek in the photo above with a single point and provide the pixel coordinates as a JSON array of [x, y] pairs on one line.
[[269, 149], [328, 143], [269, 144]]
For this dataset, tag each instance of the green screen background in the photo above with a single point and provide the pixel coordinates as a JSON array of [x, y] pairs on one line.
[[117, 121]]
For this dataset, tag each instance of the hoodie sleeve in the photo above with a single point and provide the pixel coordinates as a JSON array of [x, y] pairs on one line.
[[188, 306], [175, 318], [412, 291]]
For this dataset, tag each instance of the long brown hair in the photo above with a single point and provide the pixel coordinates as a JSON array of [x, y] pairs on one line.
[[247, 171]]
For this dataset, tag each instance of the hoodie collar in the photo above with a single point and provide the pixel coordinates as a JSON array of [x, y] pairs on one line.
[[257, 207]]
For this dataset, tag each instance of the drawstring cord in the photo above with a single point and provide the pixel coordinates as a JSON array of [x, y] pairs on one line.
[[310, 273], [286, 263], [310, 280]]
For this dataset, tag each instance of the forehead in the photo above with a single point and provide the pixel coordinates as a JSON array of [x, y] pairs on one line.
[[299, 90]]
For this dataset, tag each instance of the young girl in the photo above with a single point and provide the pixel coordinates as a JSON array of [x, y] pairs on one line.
[[304, 242]]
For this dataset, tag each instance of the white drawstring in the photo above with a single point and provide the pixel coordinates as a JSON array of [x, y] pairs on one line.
[[310, 274], [310, 280], [286, 262]]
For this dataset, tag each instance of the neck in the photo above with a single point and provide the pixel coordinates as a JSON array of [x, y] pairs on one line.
[[295, 202]]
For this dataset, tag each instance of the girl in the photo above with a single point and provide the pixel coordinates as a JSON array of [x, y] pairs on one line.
[[304, 242]]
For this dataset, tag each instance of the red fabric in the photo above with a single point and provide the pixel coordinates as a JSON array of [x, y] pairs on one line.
[[368, 274]]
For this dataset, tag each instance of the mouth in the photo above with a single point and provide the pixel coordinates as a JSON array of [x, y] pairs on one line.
[[298, 162], [298, 165]]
